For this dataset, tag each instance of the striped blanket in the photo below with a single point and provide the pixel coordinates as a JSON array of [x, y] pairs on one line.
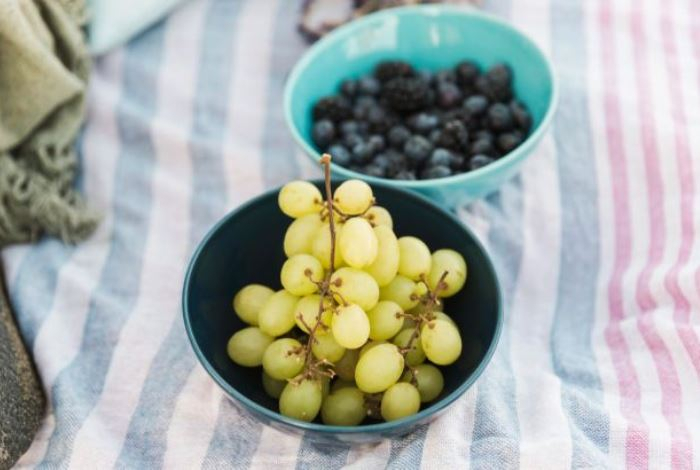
[[599, 363]]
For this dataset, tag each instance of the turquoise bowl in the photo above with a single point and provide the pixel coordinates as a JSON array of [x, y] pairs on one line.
[[246, 247], [429, 37]]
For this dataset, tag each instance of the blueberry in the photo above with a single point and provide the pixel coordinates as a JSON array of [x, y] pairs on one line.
[[482, 85], [369, 85], [456, 161], [362, 106], [444, 76], [351, 140], [509, 140], [374, 170], [499, 75], [376, 142], [423, 122], [448, 95], [427, 76], [349, 88], [466, 72], [398, 135], [380, 120], [484, 134], [405, 175], [440, 157], [481, 146], [323, 133], [499, 117], [396, 161], [340, 154], [439, 171], [476, 104], [478, 161], [520, 115], [349, 127], [362, 153], [436, 136], [417, 148]]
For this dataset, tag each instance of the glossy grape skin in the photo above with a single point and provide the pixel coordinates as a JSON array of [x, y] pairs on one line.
[[401, 290], [441, 342], [350, 326], [301, 401], [300, 235], [416, 355], [344, 407], [430, 381], [293, 275], [276, 316], [299, 198], [452, 262], [385, 320], [415, 260], [355, 287], [273, 387], [249, 300], [247, 346], [377, 215], [379, 368], [386, 263], [358, 243], [321, 245], [444, 316], [307, 310], [325, 347], [353, 197], [283, 359], [399, 401], [345, 367], [369, 345]]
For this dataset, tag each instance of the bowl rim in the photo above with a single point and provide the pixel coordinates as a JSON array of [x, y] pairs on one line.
[[350, 28], [325, 428]]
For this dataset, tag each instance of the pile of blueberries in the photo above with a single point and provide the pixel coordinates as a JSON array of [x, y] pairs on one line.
[[407, 124]]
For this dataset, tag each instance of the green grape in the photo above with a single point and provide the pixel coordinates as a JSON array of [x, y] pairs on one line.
[[325, 386], [307, 309], [340, 383], [385, 320], [301, 401], [358, 244], [379, 368], [369, 345], [345, 367], [401, 290], [414, 258], [247, 346], [429, 379], [249, 300], [350, 326], [441, 342], [353, 197], [276, 316], [299, 198], [325, 347], [344, 407], [321, 245], [300, 234], [456, 267], [294, 276], [386, 264], [408, 323], [377, 216], [355, 287], [399, 401], [273, 387], [443, 316], [283, 359], [416, 355]]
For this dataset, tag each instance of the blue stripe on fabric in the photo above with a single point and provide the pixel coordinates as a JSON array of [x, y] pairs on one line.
[[280, 165], [316, 455], [235, 439], [573, 359], [407, 451], [146, 436], [496, 436], [78, 387]]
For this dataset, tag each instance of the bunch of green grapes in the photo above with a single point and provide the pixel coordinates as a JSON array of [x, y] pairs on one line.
[[357, 328]]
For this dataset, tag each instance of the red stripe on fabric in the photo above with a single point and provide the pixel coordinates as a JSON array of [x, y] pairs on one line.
[[637, 439]]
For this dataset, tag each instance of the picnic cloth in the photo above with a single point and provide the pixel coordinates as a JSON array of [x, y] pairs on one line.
[[43, 72], [594, 242]]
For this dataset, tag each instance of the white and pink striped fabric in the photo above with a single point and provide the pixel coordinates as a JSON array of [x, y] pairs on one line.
[[597, 244]]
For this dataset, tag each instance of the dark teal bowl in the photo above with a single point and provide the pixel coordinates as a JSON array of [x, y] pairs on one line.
[[246, 247], [429, 37]]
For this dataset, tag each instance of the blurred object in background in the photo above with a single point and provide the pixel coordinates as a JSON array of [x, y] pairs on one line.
[[322, 16]]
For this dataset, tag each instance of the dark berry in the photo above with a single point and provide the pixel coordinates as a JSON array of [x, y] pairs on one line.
[[482, 85], [423, 122], [376, 142], [391, 69], [478, 161], [499, 75], [448, 95], [476, 104], [435, 172], [417, 148], [456, 161], [398, 135], [499, 117], [362, 153], [349, 88], [483, 134], [466, 72], [509, 140], [446, 75], [520, 115], [349, 127], [396, 161], [435, 136], [481, 146], [340, 154], [405, 175], [335, 108], [323, 133], [454, 135], [350, 140], [369, 85], [439, 157], [374, 170], [380, 120], [427, 76], [405, 93]]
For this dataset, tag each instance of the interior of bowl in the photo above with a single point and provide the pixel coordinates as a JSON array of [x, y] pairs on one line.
[[246, 247], [428, 37]]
